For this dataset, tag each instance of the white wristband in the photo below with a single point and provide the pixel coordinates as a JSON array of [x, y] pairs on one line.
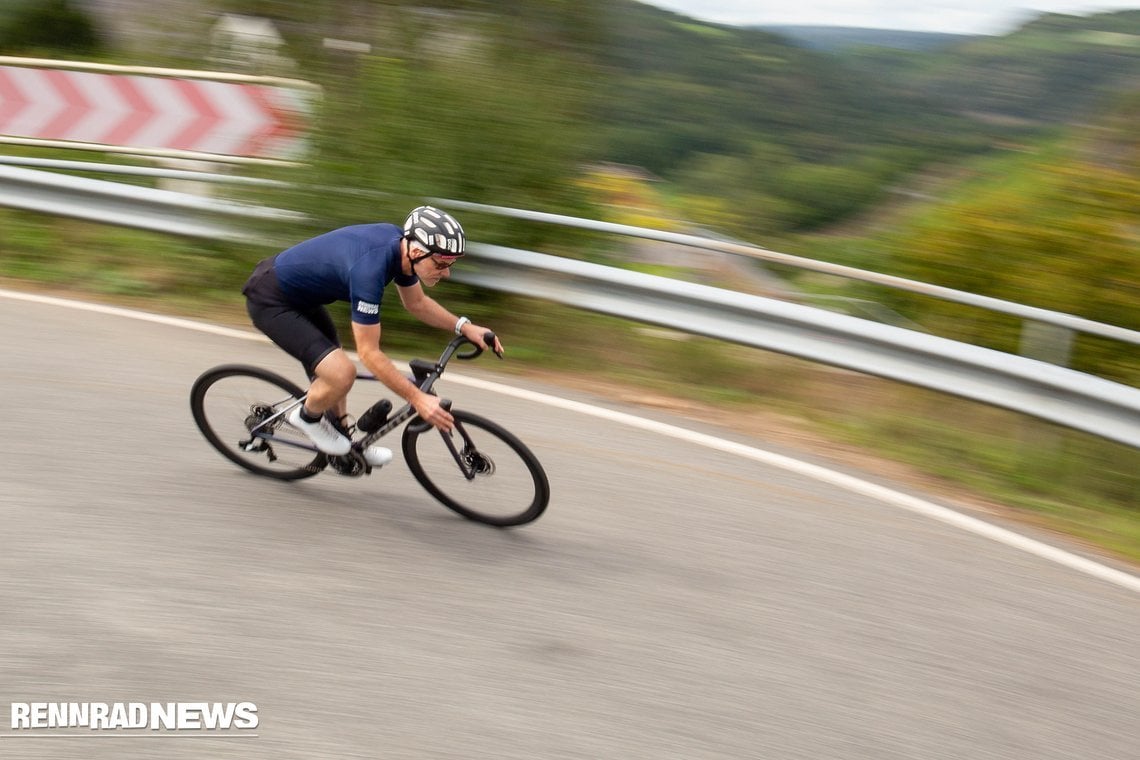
[[459, 325]]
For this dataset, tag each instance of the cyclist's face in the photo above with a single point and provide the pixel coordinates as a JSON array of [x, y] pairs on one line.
[[433, 268]]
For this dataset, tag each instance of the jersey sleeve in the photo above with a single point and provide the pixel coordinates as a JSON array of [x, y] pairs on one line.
[[365, 291], [371, 272]]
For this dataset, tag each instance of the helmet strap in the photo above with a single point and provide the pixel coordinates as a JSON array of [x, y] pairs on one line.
[[413, 261]]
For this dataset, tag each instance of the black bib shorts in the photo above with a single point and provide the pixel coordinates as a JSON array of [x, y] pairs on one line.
[[307, 334]]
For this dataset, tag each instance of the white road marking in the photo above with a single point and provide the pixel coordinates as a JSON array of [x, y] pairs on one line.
[[805, 469]]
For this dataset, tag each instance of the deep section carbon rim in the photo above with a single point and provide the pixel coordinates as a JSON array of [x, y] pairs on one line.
[[496, 480], [230, 402]]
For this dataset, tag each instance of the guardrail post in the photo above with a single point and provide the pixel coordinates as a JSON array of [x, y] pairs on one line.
[[1047, 343]]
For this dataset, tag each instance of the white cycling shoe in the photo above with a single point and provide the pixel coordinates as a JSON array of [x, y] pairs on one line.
[[324, 436], [377, 456]]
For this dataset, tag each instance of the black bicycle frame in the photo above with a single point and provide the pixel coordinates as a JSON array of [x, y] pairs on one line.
[[425, 375]]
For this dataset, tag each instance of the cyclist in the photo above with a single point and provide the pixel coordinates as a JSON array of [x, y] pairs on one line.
[[286, 297]]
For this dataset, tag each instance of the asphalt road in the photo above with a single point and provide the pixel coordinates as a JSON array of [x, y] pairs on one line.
[[674, 602]]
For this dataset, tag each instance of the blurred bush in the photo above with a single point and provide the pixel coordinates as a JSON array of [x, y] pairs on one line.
[[49, 27]]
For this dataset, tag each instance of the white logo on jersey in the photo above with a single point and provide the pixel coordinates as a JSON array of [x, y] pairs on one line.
[[367, 308]]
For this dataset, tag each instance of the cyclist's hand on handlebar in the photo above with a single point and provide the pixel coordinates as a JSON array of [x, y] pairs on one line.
[[429, 410], [475, 333]]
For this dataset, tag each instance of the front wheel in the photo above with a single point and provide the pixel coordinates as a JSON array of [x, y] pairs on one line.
[[479, 470], [240, 410]]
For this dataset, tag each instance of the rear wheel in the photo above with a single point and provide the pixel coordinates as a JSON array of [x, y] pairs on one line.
[[240, 410], [478, 470]]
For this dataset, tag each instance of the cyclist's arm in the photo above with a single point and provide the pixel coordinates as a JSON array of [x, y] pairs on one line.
[[367, 338], [426, 309]]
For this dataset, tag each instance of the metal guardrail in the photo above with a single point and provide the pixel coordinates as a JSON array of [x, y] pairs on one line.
[[93, 167], [1030, 314], [1046, 391], [132, 206], [1050, 392], [152, 71]]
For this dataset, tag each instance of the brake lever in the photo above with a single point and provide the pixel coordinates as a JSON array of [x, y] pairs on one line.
[[420, 425]]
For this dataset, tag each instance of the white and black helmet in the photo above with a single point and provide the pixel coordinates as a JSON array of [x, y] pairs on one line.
[[435, 230]]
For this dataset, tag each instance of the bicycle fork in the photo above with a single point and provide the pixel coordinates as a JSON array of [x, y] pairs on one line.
[[470, 461]]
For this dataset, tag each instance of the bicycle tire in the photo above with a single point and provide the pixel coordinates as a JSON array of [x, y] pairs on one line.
[[510, 487], [227, 400]]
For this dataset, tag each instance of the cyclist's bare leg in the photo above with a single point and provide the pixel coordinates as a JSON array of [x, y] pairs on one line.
[[335, 375]]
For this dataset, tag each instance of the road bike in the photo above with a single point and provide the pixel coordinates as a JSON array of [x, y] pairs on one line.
[[479, 470]]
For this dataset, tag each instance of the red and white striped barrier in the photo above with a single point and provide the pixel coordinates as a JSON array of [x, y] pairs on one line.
[[151, 112]]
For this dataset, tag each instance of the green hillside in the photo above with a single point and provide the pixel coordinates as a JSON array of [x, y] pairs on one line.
[[1055, 69], [751, 133], [739, 130], [1053, 225], [833, 39]]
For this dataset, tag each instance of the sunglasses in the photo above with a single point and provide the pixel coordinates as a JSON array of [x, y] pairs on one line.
[[442, 265]]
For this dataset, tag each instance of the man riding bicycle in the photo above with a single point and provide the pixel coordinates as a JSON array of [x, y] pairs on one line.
[[286, 297]]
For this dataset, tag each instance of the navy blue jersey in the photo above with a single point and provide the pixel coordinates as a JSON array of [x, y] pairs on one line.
[[352, 264]]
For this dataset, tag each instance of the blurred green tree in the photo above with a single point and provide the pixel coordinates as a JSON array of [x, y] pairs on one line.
[[49, 26], [1056, 230], [445, 110]]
